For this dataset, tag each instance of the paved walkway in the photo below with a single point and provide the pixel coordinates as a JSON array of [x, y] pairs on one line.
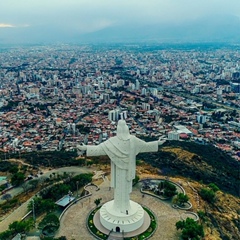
[[73, 223], [16, 215]]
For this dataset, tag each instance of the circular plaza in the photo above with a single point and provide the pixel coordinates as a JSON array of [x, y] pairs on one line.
[[73, 222]]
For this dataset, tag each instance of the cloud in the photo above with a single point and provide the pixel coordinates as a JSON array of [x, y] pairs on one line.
[[8, 25], [81, 26], [67, 18], [70, 13], [5, 25]]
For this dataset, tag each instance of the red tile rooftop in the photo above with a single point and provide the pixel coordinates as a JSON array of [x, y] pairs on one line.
[[224, 147], [27, 144], [194, 131]]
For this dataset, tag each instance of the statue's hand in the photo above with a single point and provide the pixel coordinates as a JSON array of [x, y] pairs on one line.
[[82, 147], [160, 142]]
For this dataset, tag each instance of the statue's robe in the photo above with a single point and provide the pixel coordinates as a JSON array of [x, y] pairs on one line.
[[123, 165]]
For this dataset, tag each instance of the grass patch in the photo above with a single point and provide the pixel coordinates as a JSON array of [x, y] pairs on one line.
[[92, 228]]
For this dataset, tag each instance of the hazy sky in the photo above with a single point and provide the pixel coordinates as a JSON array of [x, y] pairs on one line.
[[88, 16]]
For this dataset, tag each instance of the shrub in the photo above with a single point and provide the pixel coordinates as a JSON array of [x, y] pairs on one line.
[[50, 220], [207, 194], [169, 189], [190, 229], [181, 199], [6, 235], [214, 187]]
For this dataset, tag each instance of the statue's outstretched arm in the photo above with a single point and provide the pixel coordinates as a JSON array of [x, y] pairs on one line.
[[82, 147], [92, 150], [149, 146], [160, 142], [143, 146]]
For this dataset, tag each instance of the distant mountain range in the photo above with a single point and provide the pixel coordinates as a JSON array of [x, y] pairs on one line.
[[209, 29]]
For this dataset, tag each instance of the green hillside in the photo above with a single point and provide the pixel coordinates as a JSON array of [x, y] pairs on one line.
[[203, 163]]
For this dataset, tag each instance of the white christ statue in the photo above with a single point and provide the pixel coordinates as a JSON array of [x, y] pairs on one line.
[[122, 150]]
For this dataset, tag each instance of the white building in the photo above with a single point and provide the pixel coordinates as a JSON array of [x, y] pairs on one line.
[[201, 118], [137, 85], [145, 106], [154, 92], [114, 115], [182, 129], [144, 91], [173, 135]]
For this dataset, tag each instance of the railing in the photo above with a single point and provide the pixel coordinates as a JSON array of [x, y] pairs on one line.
[[108, 237], [123, 234]]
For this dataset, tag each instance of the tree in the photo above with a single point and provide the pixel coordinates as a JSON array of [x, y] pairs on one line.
[[60, 238], [214, 187], [161, 186], [24, 168], [25, 186], [202, 216], [21, 226], [13, 169], [6, 196], [169, 189], [50, 220], [4, 166], [181, 199], [48, 205], [208, 195], [98, 201], [6, 235], [34, 183], [17, 178], [190, 229], [42, 205], [82, 179], [55, 192], [5, 208], [37, 205]]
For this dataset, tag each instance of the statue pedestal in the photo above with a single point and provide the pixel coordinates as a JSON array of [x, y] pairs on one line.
[[112, 218]]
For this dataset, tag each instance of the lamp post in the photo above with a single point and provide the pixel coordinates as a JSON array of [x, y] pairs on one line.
[[33, 210], [77, 187], [69, 194]]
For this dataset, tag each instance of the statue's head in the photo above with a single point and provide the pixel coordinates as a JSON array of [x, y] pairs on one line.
[[122, 130]]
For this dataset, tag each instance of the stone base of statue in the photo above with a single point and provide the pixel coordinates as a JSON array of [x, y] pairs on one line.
[[113, 219]]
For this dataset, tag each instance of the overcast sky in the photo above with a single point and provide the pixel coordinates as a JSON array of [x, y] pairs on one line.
[[89, 16]]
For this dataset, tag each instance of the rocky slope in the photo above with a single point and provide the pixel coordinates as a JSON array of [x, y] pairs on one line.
[[195, 166], [203, 163]]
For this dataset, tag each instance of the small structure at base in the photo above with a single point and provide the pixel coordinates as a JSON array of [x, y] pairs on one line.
[[121, 222], [65, 200]]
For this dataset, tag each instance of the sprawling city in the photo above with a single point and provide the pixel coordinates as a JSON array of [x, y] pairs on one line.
[[58, 97], [55, 99]]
